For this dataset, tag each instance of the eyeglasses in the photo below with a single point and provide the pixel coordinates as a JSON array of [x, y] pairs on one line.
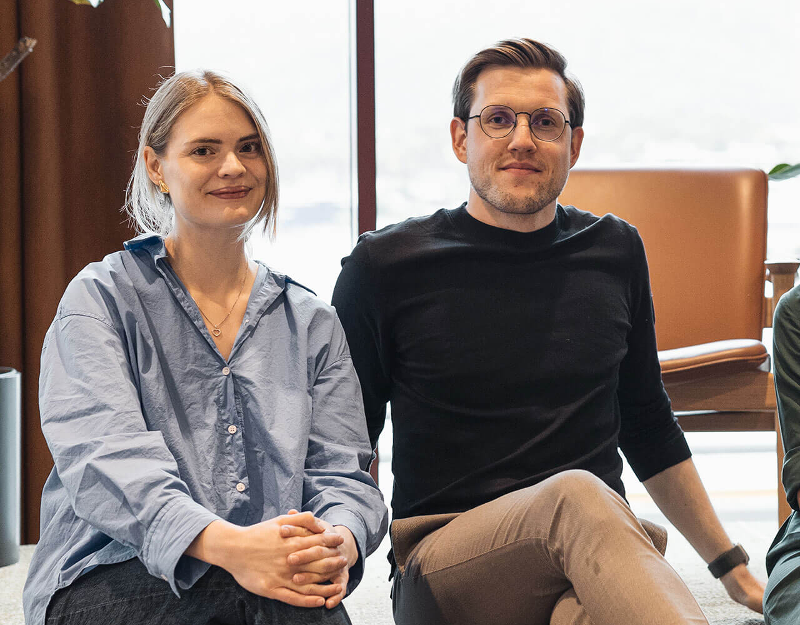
[[497, 121]]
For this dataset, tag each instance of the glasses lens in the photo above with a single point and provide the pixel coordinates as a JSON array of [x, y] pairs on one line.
[[497, 121], [547, 124]]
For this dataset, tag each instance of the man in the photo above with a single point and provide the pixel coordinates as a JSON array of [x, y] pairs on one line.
[[514, 338]]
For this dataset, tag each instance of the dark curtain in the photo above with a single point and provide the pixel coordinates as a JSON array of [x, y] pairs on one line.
[[69, 115]]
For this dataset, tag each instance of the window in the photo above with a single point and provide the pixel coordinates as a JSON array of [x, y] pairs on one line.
[[294, 59], [670, 83]]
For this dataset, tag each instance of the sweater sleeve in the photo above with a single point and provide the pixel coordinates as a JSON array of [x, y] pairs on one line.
[[786, 350], [356, 298], [650, 436]]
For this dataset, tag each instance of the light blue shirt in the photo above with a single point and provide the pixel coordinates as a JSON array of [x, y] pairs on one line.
[[155, 435]]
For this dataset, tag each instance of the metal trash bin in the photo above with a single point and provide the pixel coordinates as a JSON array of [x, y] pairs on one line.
[[10, 467]]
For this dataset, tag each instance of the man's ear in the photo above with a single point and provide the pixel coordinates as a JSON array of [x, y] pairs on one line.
[[458, 135], [575, 146], [153, 165]]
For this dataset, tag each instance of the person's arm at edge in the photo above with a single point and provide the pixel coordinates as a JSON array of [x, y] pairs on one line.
[[680, 495], [656, 447], [786, 353]]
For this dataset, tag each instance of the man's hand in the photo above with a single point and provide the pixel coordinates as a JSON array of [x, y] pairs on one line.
[[743, 588], [320, 565], [258, 557]]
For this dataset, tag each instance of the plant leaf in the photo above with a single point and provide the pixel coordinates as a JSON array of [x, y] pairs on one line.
[[165, 11], [784, 171]]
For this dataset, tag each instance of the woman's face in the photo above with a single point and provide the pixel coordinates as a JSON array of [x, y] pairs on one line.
[[213, 165]]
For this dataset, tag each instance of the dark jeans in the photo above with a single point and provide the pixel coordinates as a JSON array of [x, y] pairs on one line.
[[126, 593]]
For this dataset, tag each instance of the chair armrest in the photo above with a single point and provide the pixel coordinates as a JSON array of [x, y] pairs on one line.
[[719, 358], [781, 273]]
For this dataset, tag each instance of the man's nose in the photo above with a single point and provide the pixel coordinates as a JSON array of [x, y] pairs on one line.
[[522, 135]]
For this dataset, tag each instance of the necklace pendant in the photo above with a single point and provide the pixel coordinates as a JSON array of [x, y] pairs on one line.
[[216, 331]]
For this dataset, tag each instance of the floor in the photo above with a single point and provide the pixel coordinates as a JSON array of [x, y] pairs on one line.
[[738, 470]]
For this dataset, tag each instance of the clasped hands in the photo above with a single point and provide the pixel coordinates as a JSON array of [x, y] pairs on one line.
[[295, 558]]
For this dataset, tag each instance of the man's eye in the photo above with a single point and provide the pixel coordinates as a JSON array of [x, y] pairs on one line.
[[543, 121]]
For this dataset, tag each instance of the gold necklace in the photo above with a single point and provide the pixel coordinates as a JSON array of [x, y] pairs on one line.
[[216, 331]]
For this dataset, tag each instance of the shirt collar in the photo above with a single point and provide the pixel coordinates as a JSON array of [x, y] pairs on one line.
[[154, 243], [269, 284]]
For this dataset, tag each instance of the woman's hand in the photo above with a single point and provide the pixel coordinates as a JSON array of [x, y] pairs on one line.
[[258, 557], [321, 565]]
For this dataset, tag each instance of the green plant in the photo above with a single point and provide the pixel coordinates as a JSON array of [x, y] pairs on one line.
[[784, 171]]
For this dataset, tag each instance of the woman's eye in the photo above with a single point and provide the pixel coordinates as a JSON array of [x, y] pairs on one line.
[[201, 151], [251, 147]]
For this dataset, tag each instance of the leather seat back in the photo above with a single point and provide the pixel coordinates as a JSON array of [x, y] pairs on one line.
[[705, 234]]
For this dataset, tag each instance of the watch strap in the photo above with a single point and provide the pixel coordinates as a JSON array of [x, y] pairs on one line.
[[728, 560]]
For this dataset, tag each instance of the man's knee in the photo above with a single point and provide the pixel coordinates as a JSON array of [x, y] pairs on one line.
[[579, 486], [584, 494]]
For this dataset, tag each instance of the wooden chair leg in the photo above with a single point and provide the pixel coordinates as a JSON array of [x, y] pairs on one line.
[[784, 510]]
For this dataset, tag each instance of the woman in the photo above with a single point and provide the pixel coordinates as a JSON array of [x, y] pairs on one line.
[[194, 401]]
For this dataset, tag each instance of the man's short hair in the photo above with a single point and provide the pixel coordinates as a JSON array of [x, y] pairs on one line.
[[524, 53]]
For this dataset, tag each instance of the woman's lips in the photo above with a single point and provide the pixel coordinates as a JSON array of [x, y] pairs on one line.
[[231, 193]]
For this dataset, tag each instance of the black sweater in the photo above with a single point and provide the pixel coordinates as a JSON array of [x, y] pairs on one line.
[[507, 356]]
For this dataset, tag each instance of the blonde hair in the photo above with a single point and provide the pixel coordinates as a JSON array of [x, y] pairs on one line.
[[148, 208]]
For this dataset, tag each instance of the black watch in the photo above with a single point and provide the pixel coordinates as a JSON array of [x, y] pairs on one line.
[[728, 560]]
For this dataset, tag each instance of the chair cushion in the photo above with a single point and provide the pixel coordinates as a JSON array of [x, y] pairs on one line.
[[718, 358]]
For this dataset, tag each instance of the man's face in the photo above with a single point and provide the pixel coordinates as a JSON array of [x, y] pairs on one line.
[[516, 180]]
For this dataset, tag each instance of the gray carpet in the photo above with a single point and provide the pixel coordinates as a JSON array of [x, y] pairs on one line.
[[370, 604]]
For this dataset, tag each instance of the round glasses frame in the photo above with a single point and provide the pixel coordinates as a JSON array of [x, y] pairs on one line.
[[530, 115]]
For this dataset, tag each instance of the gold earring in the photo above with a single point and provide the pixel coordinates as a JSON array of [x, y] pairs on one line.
[[163, 187]]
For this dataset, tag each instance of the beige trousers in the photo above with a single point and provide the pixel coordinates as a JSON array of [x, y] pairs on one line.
[[566, 551]]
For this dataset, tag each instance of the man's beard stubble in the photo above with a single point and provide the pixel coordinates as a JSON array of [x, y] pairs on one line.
[[504, 202]]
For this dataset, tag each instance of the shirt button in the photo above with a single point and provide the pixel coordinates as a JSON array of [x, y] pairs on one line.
[[231, 429], [240, 487], [226, 370]]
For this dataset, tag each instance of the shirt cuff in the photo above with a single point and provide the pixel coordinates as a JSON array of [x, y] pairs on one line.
[[352, 521], [172, 531]]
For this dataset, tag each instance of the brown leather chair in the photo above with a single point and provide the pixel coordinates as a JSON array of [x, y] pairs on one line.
[[705, 234]]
